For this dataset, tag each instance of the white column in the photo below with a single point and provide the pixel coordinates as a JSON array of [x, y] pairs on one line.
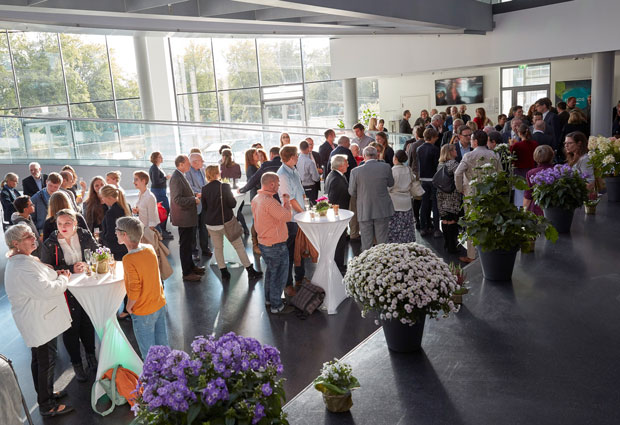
[[350, 102], [602, 92], [144, 78]]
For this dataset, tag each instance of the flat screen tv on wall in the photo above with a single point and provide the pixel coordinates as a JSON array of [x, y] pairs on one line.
[[456, 91]]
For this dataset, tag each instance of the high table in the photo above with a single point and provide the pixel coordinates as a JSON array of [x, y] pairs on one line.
[[230, 255], [323, 233], [101, 295]]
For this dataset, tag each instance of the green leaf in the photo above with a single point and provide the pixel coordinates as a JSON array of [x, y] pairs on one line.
[[192, 413], [551, 233]]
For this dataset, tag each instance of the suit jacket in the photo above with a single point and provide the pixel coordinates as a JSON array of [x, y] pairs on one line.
[[341, 150], [8, 196], [553, 124], [324, 150], [30, 186], [254, 181], [337, 190], [183, 209], [404, 127], [544, 139], [370, 183]]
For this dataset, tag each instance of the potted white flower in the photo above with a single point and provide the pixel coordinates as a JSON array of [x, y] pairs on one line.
[[403, 283], [336, 382]]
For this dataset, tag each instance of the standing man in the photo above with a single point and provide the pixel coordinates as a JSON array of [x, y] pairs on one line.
[[337, 190], [404, 126], [326, 149], [41, 199], [184, 215], [421, 121], [464, 142], [343, 149], [316, 160], [551, 119], [437, 125], [412, 154], [464, 116], [197, 180], [369, 185], [360, 137], [270, 219], [428, 159], [308, 172], [292, 189], [469, 169], [35, 181]]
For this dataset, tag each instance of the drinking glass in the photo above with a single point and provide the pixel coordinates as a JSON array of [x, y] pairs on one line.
[[88, 258], [335, 208]]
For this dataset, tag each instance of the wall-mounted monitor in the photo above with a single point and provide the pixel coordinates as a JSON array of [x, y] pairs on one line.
[[456, 91]]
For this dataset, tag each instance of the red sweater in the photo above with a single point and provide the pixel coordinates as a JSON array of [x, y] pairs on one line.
[[524, 150]]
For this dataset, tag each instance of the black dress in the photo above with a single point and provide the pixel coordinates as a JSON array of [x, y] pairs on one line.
[[108, 231]]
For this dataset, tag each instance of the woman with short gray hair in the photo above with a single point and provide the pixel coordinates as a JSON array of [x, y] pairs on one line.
[[145, 293], [38, 306]]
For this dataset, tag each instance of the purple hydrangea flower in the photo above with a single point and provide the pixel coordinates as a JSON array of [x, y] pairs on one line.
[[266, 389]]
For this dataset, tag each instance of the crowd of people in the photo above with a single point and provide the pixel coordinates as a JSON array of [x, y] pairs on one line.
[[49, 227]]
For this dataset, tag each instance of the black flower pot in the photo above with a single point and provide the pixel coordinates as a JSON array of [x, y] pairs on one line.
[[560, 218], [403, 338], [498, 265], [613, 188]]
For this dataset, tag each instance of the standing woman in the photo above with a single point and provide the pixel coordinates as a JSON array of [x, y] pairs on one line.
[[8, 195], [388, 152], [449, 204], [94, 208], [262, 156], [576, 147], [285, 139], [38, 306], [251, 167], [64, 250], [543, 156], [229, 169], [146, 206], [372, 124], [158, 188], [524, 149], [114, 178], [481, 118], [59, 201], [402, 224], [218, 203]]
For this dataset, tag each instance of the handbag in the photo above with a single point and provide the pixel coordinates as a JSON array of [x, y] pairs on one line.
[[161, 211], [308, 298], [127, 380], [232, 227], [444, 181], [415, 188]]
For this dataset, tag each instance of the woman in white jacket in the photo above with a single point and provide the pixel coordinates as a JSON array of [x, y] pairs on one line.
[[36, 294], [402, 223]]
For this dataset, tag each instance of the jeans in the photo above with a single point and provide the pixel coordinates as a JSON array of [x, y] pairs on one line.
[[276, 258], [160, 196], [217, 236], [150, 330], [429, 200], [300, 271], [42, 367]]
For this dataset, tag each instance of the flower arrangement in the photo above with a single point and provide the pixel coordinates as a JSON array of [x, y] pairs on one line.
[[102, 254], [604, 155], [459, 274], [560, 187], [403, 282], [336, 378], [322, 205], [492, 221], [230, 380]]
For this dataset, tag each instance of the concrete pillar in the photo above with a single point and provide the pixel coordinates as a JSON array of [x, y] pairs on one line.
[[350, 102], [162, 87], [602, 92], [144, 78]]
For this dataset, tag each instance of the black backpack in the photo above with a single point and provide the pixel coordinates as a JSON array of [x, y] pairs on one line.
[[444, 180]]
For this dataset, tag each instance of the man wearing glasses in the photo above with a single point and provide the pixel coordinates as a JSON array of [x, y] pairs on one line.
[[463, 145]]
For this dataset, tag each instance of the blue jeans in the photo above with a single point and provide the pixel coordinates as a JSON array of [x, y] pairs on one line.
[[150, 330], [429, 201], [276, 258]]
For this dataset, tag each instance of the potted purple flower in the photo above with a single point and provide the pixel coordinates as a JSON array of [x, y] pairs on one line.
[[230, 380]]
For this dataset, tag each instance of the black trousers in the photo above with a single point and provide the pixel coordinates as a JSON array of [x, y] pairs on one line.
[[81, 330], [42, 367], [340, 247], [417, 204], [312, 192], [300, 271], [186, 235], [200, 232]]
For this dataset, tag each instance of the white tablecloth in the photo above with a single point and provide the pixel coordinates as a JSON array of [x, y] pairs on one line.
[[230, 255], [323, 233], [101, 296]]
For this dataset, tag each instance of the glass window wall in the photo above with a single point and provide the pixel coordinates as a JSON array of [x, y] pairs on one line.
[[280, 61], [235, 63]]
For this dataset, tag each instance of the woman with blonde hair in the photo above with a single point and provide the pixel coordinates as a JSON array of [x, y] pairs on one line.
[[217, 205], [449, 203], [372, 124], [285, 139], [94, 208], [113, 177], [59, 201], [8, 195]]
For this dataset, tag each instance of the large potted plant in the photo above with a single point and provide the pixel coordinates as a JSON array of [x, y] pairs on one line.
[[402, 283], [230, 380], [604, 156], [559, 191], [496, 226]]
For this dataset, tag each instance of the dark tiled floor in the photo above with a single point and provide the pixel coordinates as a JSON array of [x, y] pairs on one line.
[[542, 349], [210, 307]]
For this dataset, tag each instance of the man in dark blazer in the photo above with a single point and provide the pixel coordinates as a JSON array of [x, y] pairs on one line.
[[540, 136], [316, 158], [403, 126], [369, 184], [551, 119], [344, 148], [326, 149], [184, 215], [272, 165], [337, 190], [35, 181]]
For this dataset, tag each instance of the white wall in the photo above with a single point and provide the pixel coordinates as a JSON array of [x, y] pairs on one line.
[[408, 91]]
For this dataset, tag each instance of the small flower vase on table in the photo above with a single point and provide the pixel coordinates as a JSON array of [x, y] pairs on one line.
[[322, 206], [102, 266], [336, 382], [101, 259]]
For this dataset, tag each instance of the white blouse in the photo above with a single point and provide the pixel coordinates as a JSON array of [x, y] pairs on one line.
[[147, 209], [71, 250], [401, 197]]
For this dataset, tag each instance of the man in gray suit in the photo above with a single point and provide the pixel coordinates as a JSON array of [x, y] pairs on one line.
[[369, 184], [184, 215]]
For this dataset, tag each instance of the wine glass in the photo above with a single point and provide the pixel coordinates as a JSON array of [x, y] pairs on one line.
[[88, 258]]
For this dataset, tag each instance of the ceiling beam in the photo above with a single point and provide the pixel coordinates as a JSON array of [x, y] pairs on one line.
[[225, 7], [138, 5], [277, 14]]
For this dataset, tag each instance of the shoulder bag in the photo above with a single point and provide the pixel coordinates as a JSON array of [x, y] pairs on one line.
[[232, 228], [444, 180], [415, 188]]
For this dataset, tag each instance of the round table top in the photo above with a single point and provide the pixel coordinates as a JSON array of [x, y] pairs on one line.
[[304, 217], [82, 279]]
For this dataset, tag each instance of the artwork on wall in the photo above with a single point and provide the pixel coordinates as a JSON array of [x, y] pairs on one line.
[[456, 91], [580, 89]]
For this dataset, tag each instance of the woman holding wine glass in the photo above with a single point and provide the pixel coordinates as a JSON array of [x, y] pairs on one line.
[[65, 250]]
